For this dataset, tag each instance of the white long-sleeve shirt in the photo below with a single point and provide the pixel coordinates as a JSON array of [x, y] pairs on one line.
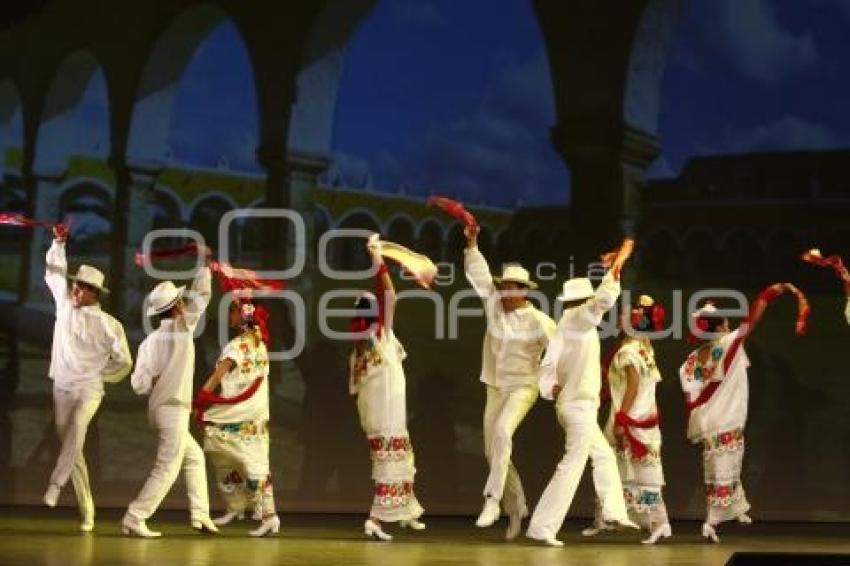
[[572, 358], [89, 346], [166, 360], [514, 341]]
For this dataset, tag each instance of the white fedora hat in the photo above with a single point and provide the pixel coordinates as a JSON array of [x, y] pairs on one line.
[[575, 289], [163, 297], [515, 273], [90, 276]]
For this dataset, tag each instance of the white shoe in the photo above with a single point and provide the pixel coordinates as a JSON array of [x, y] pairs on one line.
[[549, 539], [596, 528], [204, 525], [87, 524], [514, 525], [412, 524], [131, 527], [620, 524], [373, 529], [489, 514], [269, 525], [51, 496], [229, 517], [709, 533], [745, 519], [662, 531]]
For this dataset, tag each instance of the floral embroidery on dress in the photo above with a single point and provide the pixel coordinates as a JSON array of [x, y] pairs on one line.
[[723, 495], [370, 357], [647, 356], [642, 500], [390, 448], [393, 495], [651, 458], [245, 431], [699, 371], [727, 441]]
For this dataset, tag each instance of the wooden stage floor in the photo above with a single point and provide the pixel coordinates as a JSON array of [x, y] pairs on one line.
[[44, 536]]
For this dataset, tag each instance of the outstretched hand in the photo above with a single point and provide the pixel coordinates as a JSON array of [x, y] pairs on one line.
[[373, 248], [471, 233], [60, 232], [615, 260]]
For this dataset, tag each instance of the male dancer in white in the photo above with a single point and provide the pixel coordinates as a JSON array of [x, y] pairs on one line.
[[164, 369], [89, 347], [517, 334], [571, 375]]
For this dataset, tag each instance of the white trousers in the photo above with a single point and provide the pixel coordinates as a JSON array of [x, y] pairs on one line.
[[503, 413], [73, 410], [583, 439], [176, 449]]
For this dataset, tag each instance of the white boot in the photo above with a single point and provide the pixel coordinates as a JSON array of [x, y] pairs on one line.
[[412, 524], [550, 539], [661, 531], [87, 524], [132, 527], [269, 525], [709, 532], [204, 525], [489, 513], [598, 526], [745, 519], [229, 517], [373, 529], [51, 496]]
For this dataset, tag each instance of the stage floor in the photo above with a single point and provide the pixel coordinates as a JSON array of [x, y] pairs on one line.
[[45, 536]]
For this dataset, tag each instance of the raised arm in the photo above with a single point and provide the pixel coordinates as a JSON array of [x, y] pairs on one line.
[[201, 293], [754, 316], [591, 313], [384, 288], [56, 269], [120, 362], [475, 266]]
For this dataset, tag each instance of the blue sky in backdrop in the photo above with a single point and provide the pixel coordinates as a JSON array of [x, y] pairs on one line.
[[436, 98]]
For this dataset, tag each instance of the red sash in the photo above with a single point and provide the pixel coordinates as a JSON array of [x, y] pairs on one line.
[[638, 448], [205, 399]]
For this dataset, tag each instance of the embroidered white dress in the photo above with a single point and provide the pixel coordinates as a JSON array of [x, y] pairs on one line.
[[718, 424], [236, 436], [642, 475], [377, 378]]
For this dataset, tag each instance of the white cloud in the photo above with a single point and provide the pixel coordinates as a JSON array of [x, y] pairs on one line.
[[497, 154], [746, 36], [787, 133]]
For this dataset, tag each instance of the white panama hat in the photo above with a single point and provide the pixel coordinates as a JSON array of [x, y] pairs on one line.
[[90, 276], [575, 289], [515, 273], [163, 297]]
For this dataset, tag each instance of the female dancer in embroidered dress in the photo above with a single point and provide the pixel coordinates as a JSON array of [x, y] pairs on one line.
[[714, 380], [632, 428], [376, 377], [236, 433]]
